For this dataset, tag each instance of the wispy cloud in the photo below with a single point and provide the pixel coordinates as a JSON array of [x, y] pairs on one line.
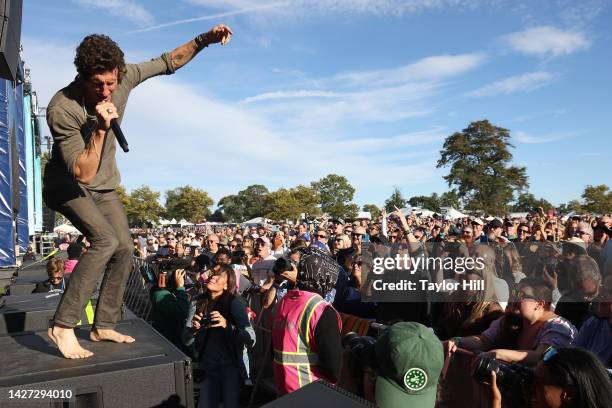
[[435, 67], [547, 41], [373, 7], [289, 95], [526, 138], [525, 82], [361, 97], [126, 9], [217, 16]]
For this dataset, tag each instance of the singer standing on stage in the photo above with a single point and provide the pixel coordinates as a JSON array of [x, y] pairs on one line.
[[82, 175]]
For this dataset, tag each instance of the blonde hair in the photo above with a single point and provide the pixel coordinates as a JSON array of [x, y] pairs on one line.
[[345, 240]]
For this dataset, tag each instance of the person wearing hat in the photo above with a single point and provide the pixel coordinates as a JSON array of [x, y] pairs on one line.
[[306, 328], [410, 359]]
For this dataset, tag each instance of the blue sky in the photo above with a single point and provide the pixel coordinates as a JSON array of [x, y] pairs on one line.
[[365, 89]]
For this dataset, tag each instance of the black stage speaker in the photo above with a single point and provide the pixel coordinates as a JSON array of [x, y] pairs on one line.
[[150, 372], [25, 286], [32, 312], [10, 37], [320, 394]]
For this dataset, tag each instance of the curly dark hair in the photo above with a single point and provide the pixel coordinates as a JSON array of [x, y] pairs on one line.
[[98, 53]]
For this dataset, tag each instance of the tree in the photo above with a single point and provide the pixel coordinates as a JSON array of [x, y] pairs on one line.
[[189, 203], [290, 203], [143, 206], [372, 209], [527, 202], [480, 170], [597, 199], [336, 194], [396, 200], [231, 208], [450, 199], [248, 203], [570, 206], [431, 202]]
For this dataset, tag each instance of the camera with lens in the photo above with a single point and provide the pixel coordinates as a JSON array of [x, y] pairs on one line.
[[361, 355], [171, 264], [206, 321], [514, 381]]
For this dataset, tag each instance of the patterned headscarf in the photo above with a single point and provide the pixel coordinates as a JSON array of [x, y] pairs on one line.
[[317, 271]]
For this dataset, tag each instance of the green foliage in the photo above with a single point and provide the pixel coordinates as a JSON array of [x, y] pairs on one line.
[[396, 200], [248, 203], [189, 203], [143, 206], [431, 202], [285, 203], [527, 202], [372, 209], [336, 194], [480, 170], [597, 199]]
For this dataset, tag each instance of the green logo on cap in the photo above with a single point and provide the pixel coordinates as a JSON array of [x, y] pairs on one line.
[[415, 379]]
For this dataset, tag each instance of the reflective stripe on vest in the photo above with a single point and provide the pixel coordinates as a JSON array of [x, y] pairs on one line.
[[303, 369]]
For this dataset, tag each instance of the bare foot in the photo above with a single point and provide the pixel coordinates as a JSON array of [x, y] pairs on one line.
[[66, 342], [110, 335]]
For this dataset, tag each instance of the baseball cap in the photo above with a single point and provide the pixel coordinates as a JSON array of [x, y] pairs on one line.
[[410, 359], [477, 221], [265, 240]]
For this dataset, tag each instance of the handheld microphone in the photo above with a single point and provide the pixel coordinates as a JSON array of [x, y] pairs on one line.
[[119, 135]]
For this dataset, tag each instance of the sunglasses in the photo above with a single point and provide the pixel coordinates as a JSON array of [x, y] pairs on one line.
[[520, 295], [357, 235], [321, 236]]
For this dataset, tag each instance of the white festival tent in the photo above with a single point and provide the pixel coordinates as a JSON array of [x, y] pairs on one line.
[[453, 214], [66, 229]]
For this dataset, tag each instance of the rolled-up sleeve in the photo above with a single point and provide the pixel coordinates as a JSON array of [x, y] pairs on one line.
[[67, 137], [138, 73]]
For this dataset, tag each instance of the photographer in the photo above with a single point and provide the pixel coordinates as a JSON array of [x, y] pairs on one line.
[[566, 378], [170, 306], [400, 369], [527, 329], [222, 330]]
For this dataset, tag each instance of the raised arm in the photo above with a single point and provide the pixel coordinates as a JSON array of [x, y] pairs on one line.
[[185, 53]]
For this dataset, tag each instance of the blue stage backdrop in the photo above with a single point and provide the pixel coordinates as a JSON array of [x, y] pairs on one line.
[[7, 152]]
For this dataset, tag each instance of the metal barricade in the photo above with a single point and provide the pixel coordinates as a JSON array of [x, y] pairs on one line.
[[136, 296]]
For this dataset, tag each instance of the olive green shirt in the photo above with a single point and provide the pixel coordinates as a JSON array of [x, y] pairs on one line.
[[72, 125]]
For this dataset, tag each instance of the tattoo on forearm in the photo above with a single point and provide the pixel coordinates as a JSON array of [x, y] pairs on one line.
[[183, 54]]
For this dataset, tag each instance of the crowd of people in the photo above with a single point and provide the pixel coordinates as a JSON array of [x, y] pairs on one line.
[[545, 304]]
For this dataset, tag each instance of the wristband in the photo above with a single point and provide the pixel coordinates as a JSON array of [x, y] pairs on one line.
[[201, 42]]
